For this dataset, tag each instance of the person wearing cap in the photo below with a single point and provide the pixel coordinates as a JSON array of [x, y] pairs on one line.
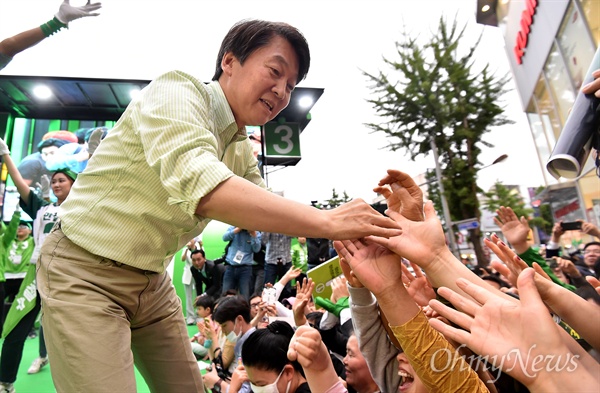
[[17, 248], [11, 46], [21, 319]]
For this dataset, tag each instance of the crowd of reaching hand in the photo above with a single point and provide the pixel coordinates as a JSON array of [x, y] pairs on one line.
[[520, 337], [408, 316]]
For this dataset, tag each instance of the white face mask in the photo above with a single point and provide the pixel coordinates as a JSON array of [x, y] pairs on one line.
[[232, 336], [270, 388]]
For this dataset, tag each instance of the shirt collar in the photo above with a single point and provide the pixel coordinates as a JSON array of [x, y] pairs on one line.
[[225, 123]]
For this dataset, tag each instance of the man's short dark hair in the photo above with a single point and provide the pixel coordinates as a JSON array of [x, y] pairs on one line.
[[230, 307], [198, 251], [247, 36], [591, 244]]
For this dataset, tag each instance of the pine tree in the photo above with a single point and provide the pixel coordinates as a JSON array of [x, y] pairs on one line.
[[437, 97]]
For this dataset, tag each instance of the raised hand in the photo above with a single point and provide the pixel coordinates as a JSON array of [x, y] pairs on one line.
[[308, 349], [403, 195], [377, 268], [514, 229], [510, 334], [421, 242], [293, 272], [557, 231], [418, 286], [3, 148], [351, 278], [44, 186], [94, 140], [303, 294], [338, 289], [67, 13], [590, 229], [513, 264]]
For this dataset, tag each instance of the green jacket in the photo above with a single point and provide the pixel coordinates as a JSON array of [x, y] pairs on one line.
[[16, 254], [531, 256]]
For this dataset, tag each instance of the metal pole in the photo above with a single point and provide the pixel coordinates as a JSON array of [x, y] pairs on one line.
[[446, 210]]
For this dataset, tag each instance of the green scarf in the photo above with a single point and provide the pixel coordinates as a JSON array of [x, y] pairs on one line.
[[23, 303]]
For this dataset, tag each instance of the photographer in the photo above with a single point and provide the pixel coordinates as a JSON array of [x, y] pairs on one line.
[[239, 259], [591, 251], [567, 271]]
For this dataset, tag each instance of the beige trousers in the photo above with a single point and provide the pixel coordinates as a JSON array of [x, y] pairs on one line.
[[100, 317]]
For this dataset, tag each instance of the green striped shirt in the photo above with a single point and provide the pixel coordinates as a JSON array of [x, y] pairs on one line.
[[135, 202]]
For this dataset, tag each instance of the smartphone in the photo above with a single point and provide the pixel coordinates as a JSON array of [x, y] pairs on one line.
[[269, 296], [571, 226]]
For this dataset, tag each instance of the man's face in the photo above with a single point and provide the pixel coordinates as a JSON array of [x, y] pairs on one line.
[[302, 240], [198, 260], [254, 303], [591, 255], [48, 151], [260, 88]]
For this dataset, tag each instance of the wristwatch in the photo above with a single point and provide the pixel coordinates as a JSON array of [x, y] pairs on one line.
[[217, 387]]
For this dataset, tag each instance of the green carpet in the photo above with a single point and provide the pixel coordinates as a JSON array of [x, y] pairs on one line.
[[42, 381]]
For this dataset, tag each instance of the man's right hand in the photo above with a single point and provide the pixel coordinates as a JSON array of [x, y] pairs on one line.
[[357, 219]]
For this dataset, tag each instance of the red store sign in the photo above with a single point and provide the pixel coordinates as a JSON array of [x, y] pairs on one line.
[[523, 35]]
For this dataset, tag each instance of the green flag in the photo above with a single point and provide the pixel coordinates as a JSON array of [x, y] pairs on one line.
[[23, 303]]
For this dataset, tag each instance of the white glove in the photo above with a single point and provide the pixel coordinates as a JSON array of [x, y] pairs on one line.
[[3, 148], [94, 140], [44, 187], [67, 13]]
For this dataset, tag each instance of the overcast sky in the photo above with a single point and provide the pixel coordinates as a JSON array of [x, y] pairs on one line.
[[142, 39]]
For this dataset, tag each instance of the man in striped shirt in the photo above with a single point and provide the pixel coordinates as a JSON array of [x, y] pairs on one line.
[[177, 158]]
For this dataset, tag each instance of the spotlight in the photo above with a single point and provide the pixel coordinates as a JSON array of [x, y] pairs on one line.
[[42, 91]]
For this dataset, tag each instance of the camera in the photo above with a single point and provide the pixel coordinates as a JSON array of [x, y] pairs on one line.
[[571, 226], [552, 263]]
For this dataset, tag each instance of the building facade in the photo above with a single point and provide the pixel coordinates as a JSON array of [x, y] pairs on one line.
[[550, 45]]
